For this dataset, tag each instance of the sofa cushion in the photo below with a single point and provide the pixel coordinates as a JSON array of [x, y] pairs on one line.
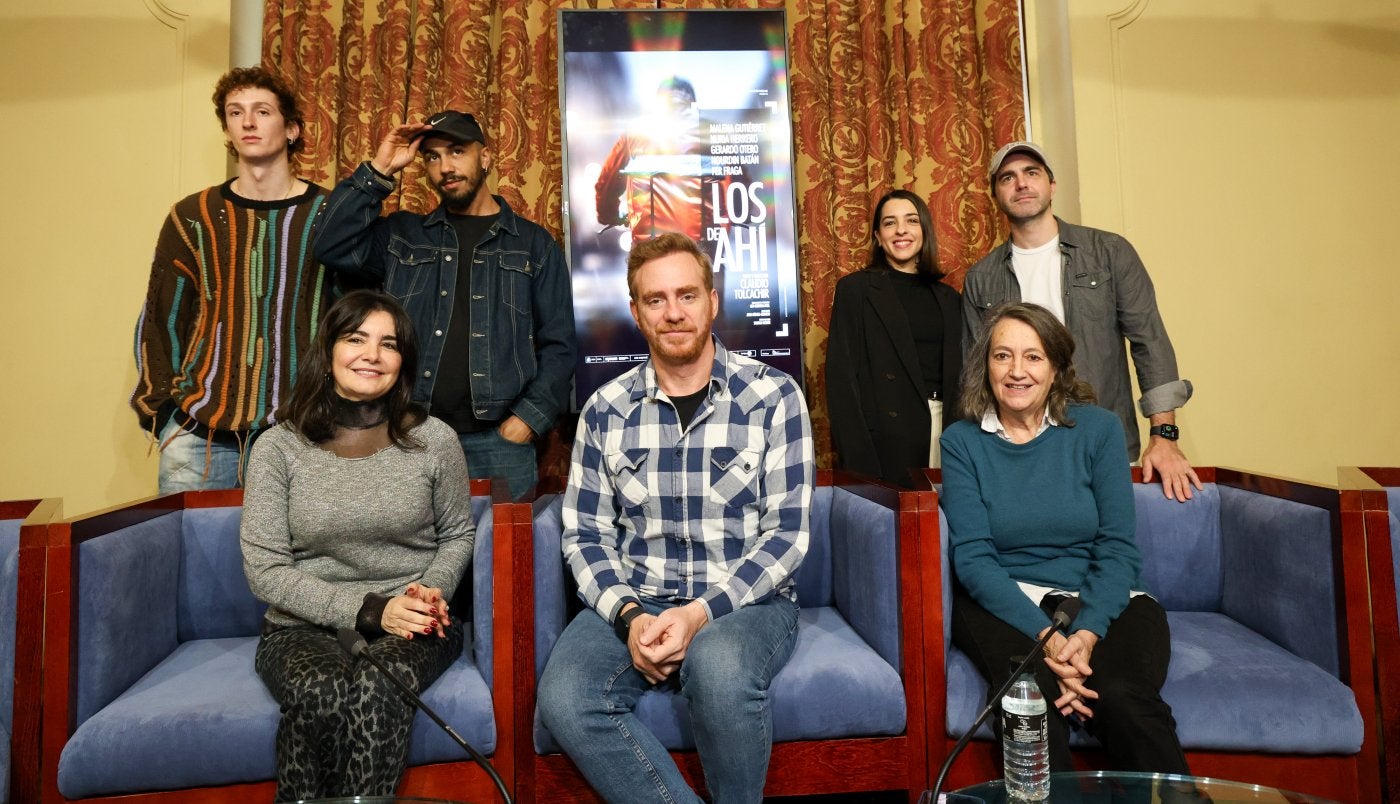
[[202, 717], [1180, 546], [9, 579], [864, 545], [1278, 557], [214, 598], [860, 693], [481, 583], [127, 585], [814, 575], [9, 585], [5, 765], [1230, 689]]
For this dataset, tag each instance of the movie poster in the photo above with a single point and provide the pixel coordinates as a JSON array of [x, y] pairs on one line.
[[679, 121]]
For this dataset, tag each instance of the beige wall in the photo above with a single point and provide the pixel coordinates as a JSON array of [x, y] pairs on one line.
[[1246, 149], [107, 121]]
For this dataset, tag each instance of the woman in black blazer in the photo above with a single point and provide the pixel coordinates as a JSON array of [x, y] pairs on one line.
[[895, 351]]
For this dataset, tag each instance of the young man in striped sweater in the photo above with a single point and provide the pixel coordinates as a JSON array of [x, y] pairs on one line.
[[234, 294]]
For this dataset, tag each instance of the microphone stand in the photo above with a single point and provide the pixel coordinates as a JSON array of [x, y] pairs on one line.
[[1064, 615], [354, 643]]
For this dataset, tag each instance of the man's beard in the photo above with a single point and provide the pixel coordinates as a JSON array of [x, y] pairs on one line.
[[685, 352], [462, 195]]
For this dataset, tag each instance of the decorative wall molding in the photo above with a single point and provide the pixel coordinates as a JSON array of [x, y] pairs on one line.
[[166, 13], [1118, 22]]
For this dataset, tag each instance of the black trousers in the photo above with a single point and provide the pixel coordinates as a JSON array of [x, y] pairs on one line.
[[1131, 721], [344, 727]]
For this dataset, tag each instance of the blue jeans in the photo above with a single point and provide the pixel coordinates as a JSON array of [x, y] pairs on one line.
[[192, 462], [490, 456], [589, 692]]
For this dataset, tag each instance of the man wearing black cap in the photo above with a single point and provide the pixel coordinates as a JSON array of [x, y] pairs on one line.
[[1096, 284], [487, 290]]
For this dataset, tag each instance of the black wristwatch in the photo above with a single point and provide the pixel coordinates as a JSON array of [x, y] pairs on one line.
[[1168, 431], [622, 623]]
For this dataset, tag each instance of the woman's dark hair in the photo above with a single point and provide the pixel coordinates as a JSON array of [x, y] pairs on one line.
[[976, 395], [928, 255], [311, 408]]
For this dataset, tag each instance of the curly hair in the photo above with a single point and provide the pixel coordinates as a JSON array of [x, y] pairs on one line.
[[260, 78], [310, 409], [928, 255], [976, 395]]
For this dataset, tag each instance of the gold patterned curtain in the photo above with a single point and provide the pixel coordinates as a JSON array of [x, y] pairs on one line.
[[885, 94]]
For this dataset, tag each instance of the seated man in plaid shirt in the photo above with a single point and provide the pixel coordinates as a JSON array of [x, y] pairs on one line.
[[685, 521]]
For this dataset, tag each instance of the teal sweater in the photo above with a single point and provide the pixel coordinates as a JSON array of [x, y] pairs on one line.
[[1057, 511]]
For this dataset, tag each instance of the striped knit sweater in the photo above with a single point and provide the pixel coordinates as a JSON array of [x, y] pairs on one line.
[[235, 297]]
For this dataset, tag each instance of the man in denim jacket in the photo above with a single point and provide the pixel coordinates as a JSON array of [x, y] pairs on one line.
[[1096, 284], [487, 290]]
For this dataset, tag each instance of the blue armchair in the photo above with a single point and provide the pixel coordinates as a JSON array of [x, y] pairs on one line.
[[149, 682], [1371, 509], [23, 525], [1270, 679], [847, 708]]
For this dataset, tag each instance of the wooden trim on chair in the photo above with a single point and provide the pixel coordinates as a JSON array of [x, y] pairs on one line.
[[1366, 508], [28, 612]]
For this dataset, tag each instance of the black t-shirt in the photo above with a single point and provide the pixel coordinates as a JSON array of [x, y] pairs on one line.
[[688, 404], [452, 392], [926, 324]]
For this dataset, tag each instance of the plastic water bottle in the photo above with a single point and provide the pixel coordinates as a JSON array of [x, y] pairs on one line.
[[1025, 741]]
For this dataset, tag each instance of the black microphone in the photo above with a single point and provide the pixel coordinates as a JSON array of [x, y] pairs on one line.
[[354, 644], [1063, 616]]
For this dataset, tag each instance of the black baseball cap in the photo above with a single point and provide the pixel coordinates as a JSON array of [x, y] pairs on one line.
[[460, 127]]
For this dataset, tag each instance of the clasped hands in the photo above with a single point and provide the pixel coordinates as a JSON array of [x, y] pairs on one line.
[[419, 610], [658, 642], [1068, 658]]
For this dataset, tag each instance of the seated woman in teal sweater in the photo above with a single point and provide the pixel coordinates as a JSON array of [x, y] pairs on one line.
[[1038, 495]]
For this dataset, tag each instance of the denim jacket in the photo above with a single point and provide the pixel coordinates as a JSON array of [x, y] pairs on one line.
[[1108, 298], [522, 313]]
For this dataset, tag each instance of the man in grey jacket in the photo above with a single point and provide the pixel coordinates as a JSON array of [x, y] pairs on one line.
[[1095, 283]]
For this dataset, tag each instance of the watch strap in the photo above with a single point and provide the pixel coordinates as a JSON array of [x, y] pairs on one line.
[[1168, 431], [622, 623]]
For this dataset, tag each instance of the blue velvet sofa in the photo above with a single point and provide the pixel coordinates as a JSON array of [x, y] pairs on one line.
[[1371, 506], [847, 708], [149, 682], [1270, 679], [23, 525]]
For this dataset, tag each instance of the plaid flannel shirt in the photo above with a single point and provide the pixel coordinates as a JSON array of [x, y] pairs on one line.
[[716, 513]]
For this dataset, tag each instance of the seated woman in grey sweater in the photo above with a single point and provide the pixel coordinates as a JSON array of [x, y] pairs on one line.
[[356, 513]]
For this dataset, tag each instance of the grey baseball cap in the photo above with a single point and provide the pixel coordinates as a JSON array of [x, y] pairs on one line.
[[1021, 147]]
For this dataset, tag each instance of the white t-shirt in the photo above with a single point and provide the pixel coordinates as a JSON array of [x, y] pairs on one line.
[[1038, 271]]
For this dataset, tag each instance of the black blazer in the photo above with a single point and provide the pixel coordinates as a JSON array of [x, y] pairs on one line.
[[874, 391]]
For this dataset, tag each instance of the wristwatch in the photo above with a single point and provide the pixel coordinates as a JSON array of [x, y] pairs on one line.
[[622, 623], [1168, 431]]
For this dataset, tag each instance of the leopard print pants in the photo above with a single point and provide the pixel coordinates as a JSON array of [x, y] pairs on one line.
[[344, 727]]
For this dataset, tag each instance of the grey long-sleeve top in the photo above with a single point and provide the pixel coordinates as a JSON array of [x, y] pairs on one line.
[[319, 531]]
